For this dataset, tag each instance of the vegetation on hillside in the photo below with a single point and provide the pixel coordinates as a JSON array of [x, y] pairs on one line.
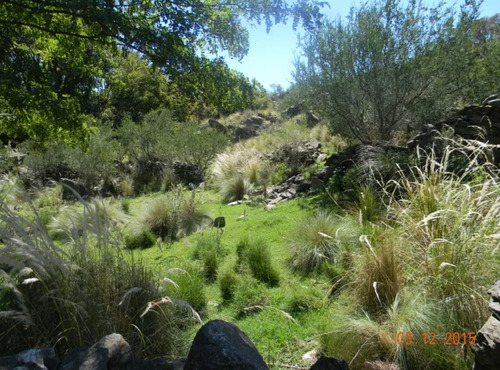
[[117, 111]]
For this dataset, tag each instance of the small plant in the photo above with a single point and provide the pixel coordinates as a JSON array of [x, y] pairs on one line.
[[188, 285], [249, 295], [305, 299], [228, 283], [144, 239], [256, 254], [210, 251]]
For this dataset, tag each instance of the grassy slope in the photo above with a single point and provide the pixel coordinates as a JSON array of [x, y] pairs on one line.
[[278, 338]]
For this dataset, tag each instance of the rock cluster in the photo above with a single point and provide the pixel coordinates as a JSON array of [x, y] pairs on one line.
[[487, 346], [217, 345], [475, 122]]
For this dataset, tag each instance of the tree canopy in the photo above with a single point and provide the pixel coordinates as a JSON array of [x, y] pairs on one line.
[[392, 64], [51, 62]]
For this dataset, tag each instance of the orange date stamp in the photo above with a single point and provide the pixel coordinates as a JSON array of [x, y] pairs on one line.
[[451, 338]]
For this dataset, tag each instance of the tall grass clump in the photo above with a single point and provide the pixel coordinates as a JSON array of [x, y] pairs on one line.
[[377, 272], [366, 338], [211, 252], [73, 220], [451, 223], [171, 215], [256, 255], [236, 172], [64, 296], [318, 239]]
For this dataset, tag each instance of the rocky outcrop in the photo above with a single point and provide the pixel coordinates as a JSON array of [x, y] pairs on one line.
[[487, 346], [475, 122], [304, 153], [253, 122]]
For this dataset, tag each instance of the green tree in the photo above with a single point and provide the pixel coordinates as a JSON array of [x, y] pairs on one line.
[[388, 66], [48, 66]]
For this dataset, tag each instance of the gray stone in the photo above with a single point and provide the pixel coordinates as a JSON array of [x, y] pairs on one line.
[[243, 133], [487, 346], [317, 184], [119, 351], [222, 345], [312, 119], [43, 359], [217, 125], [321, 158], [253, 122]]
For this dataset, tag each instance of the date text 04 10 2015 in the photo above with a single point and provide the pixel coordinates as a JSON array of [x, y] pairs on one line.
[[451, 338]]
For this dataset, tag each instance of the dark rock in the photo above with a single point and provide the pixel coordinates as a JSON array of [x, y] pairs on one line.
[[188, 173], [155, 364], [221, 345], [73, 189], [487, 346], [272, 119], [293, 111], [219, 222], [494, 292], [43, 359], [312, 119], [243, 133], [330, 363], [317, 183], [325, 174], [217, 125], [253, 122], [119, 352]]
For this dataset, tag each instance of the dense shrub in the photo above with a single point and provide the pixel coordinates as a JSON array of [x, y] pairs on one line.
[[228, 283], [68, 297]]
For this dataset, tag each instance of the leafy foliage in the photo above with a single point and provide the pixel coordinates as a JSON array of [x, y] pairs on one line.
[[388, 66]]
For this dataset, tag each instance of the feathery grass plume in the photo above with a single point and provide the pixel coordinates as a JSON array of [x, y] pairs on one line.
[[49, 197], [171, 215], [67, 296], [11, 190], [126, 185], [319, 239], [449, 222], [377, 273], [255, 255], [368, 338], [72, 221]]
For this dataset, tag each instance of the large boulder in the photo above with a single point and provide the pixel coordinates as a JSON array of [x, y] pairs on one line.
[[221, 345], [243, 133]]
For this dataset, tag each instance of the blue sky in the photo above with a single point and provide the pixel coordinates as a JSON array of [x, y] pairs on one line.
[[271, 55]]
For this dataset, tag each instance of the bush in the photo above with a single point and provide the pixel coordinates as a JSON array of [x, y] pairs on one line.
[[68, 297], [256, 255], [143, 240]]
